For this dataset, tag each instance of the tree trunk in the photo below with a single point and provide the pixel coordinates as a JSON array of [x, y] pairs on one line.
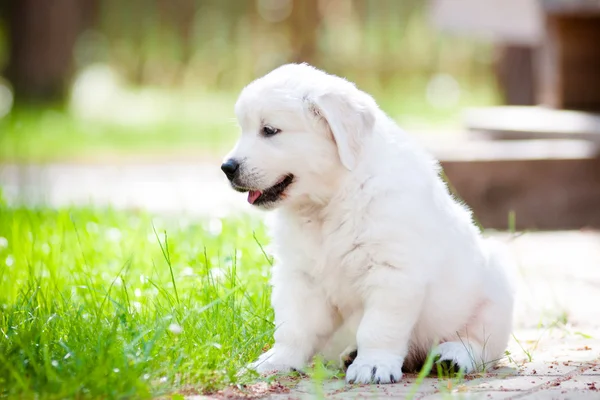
[[42, 35], [305, 22]]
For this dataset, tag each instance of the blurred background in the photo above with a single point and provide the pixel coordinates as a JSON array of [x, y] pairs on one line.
[[131, 103], [172, 69]]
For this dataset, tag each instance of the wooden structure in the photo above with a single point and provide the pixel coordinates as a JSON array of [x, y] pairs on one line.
[[549, 50], [569, 57], [550, 63], [544, 184]]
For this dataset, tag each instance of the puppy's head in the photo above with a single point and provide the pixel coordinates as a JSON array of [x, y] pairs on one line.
[[301, 130]]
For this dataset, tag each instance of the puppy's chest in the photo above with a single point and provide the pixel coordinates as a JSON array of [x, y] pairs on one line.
[[323, 262], [333, 280]]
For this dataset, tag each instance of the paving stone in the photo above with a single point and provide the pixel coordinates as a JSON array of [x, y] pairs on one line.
[[548, 368], [488, 395], [561, 394], [338, 388], [594, 370], [568, 355], [582, 382], [504, 370], [428, 384], [512, 383], [380, 393]]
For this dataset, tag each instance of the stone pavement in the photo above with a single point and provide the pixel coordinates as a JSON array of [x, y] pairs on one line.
[[180, 187], [563, 365]]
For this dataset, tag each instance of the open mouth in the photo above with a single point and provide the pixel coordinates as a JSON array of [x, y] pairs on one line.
[[272, 194]]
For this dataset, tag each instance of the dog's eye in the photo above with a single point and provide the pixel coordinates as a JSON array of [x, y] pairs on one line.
[[270, 131]]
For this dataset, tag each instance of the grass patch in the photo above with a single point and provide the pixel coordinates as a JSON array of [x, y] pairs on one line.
[[106, 304], [40, 136]]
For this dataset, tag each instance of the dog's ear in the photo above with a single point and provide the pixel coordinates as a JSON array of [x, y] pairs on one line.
[[350, 117]]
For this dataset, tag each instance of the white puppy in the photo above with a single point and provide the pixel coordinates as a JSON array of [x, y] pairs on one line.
[[366, 235]]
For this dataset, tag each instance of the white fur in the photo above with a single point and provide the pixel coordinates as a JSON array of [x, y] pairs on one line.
[[367, 237]]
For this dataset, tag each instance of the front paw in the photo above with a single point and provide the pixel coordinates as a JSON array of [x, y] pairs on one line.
[[277, 360], [375, 367]]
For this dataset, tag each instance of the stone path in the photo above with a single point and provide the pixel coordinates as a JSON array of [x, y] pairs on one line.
[[564, 365], [182, 187]]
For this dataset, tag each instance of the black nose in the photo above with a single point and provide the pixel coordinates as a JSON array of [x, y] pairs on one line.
[[230, 167]]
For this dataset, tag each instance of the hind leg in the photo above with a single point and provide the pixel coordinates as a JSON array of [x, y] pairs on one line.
[[348, 356], [458, 356], [479, 347], [483, 340]]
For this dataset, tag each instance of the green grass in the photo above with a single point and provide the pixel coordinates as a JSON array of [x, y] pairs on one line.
[[39, 136], [107, 304]]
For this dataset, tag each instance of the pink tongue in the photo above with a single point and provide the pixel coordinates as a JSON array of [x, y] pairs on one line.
[[253, 195]]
